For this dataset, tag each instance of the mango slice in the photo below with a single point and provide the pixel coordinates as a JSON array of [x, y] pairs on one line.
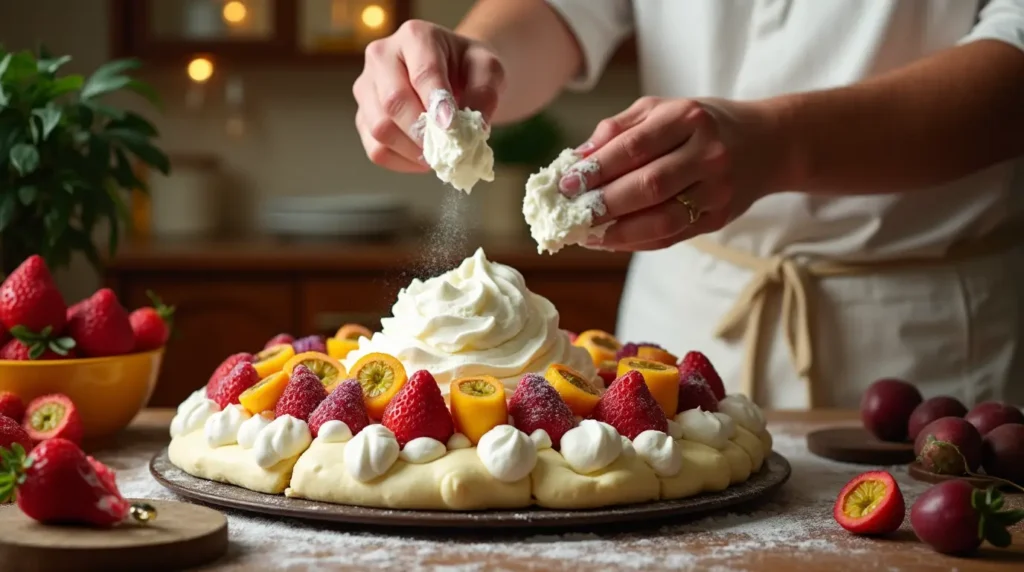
[[272, 359], [381, 376], [264, 395], [662, 379], [578, 393], [477, 405]]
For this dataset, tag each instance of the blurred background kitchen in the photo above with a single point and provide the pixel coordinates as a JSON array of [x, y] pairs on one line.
[[272, 218]]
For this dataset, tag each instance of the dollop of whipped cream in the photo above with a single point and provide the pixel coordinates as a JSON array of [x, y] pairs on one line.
[[591, 446], [660, 452], [251, 428], [371, 453], [458, 441], [744, 411], [221, 428], [555, 220], [458, 152], [507, 453], [704, 427], [422, 450], [476, 319], [284, 438], [193, 413], [541, 439], [728, 425], [675, 430], [334, 431]]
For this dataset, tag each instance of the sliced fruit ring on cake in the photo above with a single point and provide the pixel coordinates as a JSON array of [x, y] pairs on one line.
[[579, 394], [327, 369], [273, 359], [478, 405], [601, 345], [661, 379], [352, 332], [264, 395], [381, 377]]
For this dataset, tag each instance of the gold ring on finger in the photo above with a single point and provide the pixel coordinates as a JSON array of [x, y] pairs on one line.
[[691, 209]]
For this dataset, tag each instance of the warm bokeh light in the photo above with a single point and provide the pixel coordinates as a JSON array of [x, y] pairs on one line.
[[200, 69], [374, 16], [234, 12]]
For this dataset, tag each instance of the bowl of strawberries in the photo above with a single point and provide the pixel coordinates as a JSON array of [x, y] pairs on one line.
[[102, 359]]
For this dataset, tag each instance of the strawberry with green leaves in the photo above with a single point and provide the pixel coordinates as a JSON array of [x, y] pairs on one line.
[[27, 345], [152, 325]]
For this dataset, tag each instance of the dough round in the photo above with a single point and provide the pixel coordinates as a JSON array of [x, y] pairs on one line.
[[627, 480], [230, 464]]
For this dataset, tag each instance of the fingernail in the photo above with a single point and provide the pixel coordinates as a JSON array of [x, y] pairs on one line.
[[585, 149], [442, 108], [572, 184]]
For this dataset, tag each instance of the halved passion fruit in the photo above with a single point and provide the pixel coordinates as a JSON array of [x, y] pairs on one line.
[[264, 395], [578, 393], [338, 348], [380, 376], [328, 369], [353, 332], [272, 359], [478, 405], [601, 345], [662, 379], [652, 353]]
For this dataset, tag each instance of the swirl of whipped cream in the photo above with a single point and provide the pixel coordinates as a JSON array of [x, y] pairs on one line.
[[728, 425], [221, 428], [591, 446], [507, 453], [422, 450], [660, 452], [541, 439], [284, 438], [193, 413], [479, 318], [458, 441], [251, 427], [744, 412], [371, 453], [334, 431], [627, 447], [703, 427]]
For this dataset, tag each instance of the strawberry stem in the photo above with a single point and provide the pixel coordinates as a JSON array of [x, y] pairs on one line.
[[993, 522], [38, 343], [165, 312], [13, 464]]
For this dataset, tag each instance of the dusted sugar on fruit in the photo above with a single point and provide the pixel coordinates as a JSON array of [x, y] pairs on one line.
[[557, 221], [477, 319]]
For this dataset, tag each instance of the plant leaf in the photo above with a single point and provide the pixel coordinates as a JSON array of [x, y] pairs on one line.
[[141, 148], [8, 207], [50, 65], [27, 194], [145, 90], [24, 158], [50, 117], [64, 85], [108, 77], [133, 122], [5, 63]]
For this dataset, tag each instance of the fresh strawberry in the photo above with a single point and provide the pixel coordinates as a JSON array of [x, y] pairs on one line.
[[52, 417], [310, 344], [11, 406], [101, 327], [302, 395], [223, 369], [345, 404], [607, 371], [537, 405], [57, 484], [695, 392], [29, 298], [152, 325], [12, 432], [105, 474], [227, 388], [4, 334], [632, 349], [279, 339], [696, 362], [418, 410], [629, 407], [30, 346]]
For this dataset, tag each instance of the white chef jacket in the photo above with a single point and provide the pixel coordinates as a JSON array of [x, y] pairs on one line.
[[954, 328]]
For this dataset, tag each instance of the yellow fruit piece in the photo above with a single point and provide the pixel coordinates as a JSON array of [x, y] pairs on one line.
[[352, 332], [328, 369], [478, 405], [661, 379], [579, 394], [339, 348], [651, 353], [381, 376], [272, 359], [264, 395], [601, 345]]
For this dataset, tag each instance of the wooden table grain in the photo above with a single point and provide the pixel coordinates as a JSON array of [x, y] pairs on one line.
[[900, 552]]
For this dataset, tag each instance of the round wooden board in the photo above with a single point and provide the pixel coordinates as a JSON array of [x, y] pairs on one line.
[[182, 536], [856, 445], [920, 473], [770, 478]]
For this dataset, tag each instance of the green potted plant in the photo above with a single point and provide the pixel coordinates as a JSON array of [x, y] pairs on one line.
[[66, 156]]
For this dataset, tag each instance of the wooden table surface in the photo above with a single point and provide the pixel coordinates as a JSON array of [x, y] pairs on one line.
[[713, 543]]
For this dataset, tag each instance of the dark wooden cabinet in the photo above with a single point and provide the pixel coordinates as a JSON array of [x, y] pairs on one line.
[[234, 296]]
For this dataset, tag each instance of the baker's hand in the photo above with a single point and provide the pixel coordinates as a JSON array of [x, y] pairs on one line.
[[671, 169], [400, 74]]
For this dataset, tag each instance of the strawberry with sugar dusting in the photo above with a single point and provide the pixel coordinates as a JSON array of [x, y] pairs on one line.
[[226, 389], [629, 407], [696, 362], [418, 410], [695, 392], [302, 395], [344, 404], [537, 405], [223, 369]]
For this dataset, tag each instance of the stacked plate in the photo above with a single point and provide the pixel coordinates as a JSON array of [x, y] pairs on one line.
[[327, 216]]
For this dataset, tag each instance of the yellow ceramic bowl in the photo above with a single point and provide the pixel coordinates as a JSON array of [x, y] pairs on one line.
[[108, 392]]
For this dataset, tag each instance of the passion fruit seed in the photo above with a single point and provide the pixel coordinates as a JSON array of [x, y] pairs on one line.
[[476, 387], [653, 365], [47, 417], [577, 381], [322, 369], [864, 499], [375, 377], [605, 343]]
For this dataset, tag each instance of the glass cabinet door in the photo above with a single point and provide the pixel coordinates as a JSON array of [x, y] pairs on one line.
[[332, 26], [212, 20]]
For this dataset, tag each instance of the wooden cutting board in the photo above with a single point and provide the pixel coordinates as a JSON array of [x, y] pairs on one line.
[[856, 445], [182, 536]]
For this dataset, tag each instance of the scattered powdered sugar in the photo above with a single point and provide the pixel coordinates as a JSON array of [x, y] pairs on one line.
[[798, 519]]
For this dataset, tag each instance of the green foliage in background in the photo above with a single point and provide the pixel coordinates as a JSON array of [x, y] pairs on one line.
[[533, 142], [65, 156]]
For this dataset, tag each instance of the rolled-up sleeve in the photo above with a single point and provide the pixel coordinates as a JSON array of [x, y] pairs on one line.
[[599, 27], [1000, 20]]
